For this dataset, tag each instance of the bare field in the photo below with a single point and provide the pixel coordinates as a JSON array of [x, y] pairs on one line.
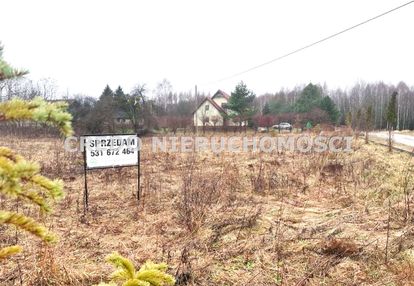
[[226, 219]]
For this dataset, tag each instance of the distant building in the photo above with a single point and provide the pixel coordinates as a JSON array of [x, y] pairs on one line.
[[213, 112], [120, 117]]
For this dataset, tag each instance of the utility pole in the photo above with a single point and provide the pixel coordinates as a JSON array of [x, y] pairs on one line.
[[196, 113]]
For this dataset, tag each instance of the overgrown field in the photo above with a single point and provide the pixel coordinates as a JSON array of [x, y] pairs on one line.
[[225, 219]]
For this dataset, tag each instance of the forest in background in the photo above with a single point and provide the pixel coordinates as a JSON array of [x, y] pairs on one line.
[[166, 108]]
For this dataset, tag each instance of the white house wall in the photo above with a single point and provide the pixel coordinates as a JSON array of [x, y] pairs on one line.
[[220, 100], [210, 113]]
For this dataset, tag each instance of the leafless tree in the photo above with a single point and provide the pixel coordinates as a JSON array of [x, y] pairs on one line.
[[164, 95]]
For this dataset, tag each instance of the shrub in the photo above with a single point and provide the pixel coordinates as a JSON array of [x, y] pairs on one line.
[[150, 274], [199, 192]]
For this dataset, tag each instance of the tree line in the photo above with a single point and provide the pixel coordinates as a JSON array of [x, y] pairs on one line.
[[359, 106], [344, 106], [116, 110]]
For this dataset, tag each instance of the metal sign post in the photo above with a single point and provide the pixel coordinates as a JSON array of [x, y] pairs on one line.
[[85, 192], [110, 151], [139, 175]]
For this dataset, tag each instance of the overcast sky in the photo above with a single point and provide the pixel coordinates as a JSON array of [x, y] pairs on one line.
[[85, 45]]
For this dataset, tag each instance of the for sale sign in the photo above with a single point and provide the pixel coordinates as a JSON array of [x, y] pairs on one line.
[[109, 151]]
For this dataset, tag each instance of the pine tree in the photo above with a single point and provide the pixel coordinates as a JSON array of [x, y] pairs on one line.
[[266, 109], [150, 274], [6, 71], [391, 117], [329, 106], [309, 98], [107, 92], [20, 178], [240, 102], [119, 93], [105, 111]]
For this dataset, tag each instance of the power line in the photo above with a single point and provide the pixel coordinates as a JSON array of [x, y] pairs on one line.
[[314, 43]]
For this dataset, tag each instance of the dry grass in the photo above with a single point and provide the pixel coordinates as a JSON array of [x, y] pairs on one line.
[[226, 219]]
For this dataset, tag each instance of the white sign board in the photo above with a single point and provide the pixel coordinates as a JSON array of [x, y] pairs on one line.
[[107, 151]]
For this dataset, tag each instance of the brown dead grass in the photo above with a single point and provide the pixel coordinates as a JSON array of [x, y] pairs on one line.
[[274, 219]]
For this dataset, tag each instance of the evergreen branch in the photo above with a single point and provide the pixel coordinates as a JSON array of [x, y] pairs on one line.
[[6, 152], [150, 274], [38, 110], [7, 72], [36, 199], [136, 282], [151, 265], [126, 268], [120, 275], [28, 224], [54, 188], [20, 178], [155, 277], [9, 251]]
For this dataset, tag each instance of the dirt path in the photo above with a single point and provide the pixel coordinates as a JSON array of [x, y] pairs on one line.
[[404, 139]]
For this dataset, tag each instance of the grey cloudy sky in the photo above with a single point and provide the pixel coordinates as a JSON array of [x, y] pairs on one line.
[[85, 45]]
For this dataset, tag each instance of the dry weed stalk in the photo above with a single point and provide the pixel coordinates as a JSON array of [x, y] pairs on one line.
[[199, 191], [234, 223], [257, 178]]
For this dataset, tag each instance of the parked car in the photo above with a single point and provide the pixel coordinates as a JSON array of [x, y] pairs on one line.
[[261, 129], [283, 126]]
